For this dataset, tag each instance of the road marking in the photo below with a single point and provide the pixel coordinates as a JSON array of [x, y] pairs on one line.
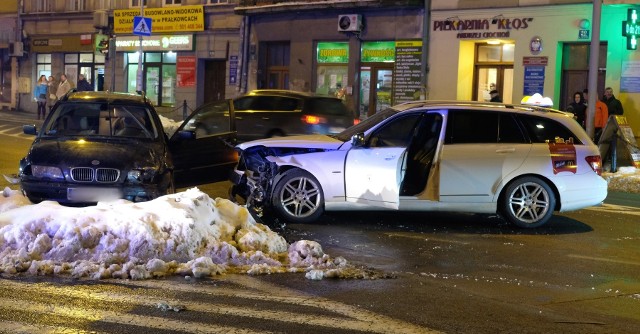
[[603, 259], [17, 327], [116, 317], [341, 316], [628, 210]]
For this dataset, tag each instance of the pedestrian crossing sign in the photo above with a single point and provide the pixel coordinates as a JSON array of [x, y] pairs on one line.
[[142, 26]]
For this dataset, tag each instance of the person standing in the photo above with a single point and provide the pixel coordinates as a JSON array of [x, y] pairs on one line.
[[40, 95], [51, 92], [63, 87], [600, 118], [83, 84], [613, 105], [579, 108], [495, 96]]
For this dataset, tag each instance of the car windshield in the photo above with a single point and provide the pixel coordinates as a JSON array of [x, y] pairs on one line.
[[100, 119], [366, 124]]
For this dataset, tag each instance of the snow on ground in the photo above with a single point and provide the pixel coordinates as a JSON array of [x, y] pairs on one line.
[[187, 234]]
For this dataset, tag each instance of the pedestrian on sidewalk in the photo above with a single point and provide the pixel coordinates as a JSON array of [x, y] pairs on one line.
[[51, 92], [63, 87], [40, 95]]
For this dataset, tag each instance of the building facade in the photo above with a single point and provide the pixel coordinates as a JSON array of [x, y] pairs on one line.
[[371, 53]]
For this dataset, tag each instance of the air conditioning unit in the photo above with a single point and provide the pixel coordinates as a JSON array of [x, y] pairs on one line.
[[350, 22], [16, 49]]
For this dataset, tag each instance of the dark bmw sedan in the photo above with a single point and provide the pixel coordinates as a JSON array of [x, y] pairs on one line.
[[98, 146]]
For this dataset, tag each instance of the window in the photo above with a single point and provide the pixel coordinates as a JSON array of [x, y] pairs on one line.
[[42, 6], [509, 131], [472, 127], [172, 2], [43, 64], [76, 5], [542, 130], [396, 133], [136, 3], [220, 2]]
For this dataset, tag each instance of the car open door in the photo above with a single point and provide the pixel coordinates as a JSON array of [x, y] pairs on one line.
[[373, 175], [203, 146]]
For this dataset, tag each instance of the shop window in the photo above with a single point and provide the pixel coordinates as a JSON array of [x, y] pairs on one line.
[[43, 64]]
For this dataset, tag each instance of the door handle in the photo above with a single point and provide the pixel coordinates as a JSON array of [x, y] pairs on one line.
[[390, 157], [505, 150]]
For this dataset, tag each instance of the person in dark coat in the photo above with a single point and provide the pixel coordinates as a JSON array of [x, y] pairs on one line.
[[579, 108], [83, 84], [614, 106], [495, 96]]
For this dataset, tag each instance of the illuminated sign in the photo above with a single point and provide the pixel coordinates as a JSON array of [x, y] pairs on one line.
[[169, 19], [337, 52], [378, 52], [155, 43], [631, 29]]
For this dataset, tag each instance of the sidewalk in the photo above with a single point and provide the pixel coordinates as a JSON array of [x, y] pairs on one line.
[[20, 116]]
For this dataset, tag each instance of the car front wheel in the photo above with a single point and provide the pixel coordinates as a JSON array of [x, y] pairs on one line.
[[528, 202], [297, 197]]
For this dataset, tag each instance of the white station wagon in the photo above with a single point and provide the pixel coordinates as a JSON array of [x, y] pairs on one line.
[[522, 162]]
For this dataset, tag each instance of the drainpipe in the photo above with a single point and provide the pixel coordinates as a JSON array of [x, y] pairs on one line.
[[426, 27], [245, 33], [594, 53]]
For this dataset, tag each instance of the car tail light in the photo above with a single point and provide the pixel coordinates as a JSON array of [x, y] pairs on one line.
[[595, 161], [356, 121], [310, 119]]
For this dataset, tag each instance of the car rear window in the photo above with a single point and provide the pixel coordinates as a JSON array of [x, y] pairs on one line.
[[542, 129], [325, 106]]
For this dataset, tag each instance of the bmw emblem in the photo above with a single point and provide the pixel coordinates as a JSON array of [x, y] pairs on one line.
[[95, 162]]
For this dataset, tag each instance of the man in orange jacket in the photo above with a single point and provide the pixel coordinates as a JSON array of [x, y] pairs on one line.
[[601, 116]]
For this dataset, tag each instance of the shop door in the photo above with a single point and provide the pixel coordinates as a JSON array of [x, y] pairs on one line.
[[89, 74], [375, 89], [152, 84], [498, 77], [214, 80]]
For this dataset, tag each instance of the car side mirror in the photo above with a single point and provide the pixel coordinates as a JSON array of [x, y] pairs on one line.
[[29, 129], [357, 140], [186, 135]]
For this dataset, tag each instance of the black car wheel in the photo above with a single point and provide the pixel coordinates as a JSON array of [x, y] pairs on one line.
[[528, 202], [297, 197]]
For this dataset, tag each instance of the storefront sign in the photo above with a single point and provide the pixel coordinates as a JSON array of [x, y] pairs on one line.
[[533, 80], [61, 44], [497, 27], [378, 52], [407, 73], [537, 61], [186, 71], [155, 43], [168, 19], [233, 70], [332, 52]]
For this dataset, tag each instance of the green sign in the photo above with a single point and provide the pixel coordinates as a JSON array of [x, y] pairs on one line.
[[631, 29], [378, 52], [333, 52]]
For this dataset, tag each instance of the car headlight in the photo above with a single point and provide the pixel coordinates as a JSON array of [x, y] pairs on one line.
[[47, 172], [142, 175]]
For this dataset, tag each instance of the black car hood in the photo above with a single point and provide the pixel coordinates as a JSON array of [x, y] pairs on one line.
[[121, 154]]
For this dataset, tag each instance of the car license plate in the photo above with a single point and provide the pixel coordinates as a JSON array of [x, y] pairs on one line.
[[90, 194]]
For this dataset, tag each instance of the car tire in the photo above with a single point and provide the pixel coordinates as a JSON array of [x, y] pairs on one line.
[[298, 197], [528, 202]]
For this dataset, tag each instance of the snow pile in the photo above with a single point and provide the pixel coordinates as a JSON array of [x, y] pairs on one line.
[[186, 234], [625, 179]]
